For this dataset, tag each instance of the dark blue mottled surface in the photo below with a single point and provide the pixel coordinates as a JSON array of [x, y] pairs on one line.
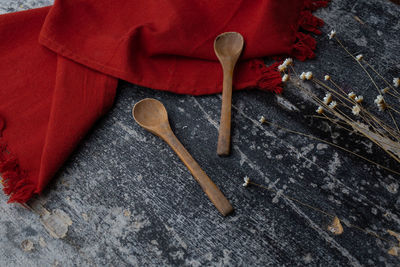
[[130, 201]]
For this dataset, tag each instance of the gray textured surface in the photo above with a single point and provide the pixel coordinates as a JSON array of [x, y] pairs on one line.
[[132, 202]]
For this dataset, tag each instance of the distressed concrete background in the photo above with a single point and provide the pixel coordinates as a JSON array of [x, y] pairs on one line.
[[124, 198]]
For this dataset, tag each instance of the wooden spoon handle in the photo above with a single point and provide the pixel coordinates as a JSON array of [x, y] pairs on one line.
[[224, 135], [208, 186]]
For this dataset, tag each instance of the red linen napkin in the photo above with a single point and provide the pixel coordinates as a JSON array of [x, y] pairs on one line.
[[59, 66]]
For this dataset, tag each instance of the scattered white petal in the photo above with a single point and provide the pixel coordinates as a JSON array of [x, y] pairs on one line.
[[309, 75], [359, 99], [396, 82], [303, 76], [320, 110], [359, 57], [262, 119], [285, 78], [333, 105], [327, 77], [246, 181], [352, 95], [327, 99], [332, 34], [356, 110]]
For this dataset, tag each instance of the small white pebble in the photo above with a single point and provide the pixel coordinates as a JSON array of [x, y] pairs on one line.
[[359, 57], [396, 82], [332, 34], [359, 99], [262, 119], [352, 95], [285, 78], [327, 77], [327, 99], [303, 76], [309, 75], [246, 181], [333, 105], [356, 110], [320, 110]]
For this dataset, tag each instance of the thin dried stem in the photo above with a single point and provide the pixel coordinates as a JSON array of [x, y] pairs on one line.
[[332, 144]]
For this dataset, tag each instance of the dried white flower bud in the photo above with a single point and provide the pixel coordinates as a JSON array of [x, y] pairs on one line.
[[327, 99], [379, 99], [262, 119], [332, 34], [359, 57], [303, 76], [288, 61], [285, 78], [246, 181], [320, 110], [327, 77], [309, 75], [359, 99], [396, 82], [356, 110], [333, 105], [385, 90], [382, 106], [282, 68], [352, 95]]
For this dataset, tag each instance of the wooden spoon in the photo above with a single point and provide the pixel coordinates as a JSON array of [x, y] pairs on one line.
[[227, 47], [152, 116]]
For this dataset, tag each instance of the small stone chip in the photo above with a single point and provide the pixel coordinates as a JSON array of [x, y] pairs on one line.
[[27, 245], [42, 243], [336, 227], [85, 217], [127, 213], [394, 251]]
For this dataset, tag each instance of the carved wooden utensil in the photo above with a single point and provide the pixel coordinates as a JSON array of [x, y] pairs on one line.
[[227, 47], [152, 116]]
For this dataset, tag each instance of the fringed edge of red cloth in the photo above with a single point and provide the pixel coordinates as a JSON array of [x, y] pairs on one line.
[[270, 78], [14, 180], [305, 44]]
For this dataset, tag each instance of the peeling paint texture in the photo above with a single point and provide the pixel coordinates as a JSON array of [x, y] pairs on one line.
[[124, 198]]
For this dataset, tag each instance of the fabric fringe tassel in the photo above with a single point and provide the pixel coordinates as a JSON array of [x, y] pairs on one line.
[[305, 44], [270, 78], [303, 48], [14, 180]]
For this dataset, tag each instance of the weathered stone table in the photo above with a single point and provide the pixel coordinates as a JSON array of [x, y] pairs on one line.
[[124, 198]]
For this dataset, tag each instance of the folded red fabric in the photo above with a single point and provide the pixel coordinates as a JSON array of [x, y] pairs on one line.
[[59, 66]]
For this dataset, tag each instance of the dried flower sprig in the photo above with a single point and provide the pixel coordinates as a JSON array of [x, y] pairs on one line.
[[366, 124]]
